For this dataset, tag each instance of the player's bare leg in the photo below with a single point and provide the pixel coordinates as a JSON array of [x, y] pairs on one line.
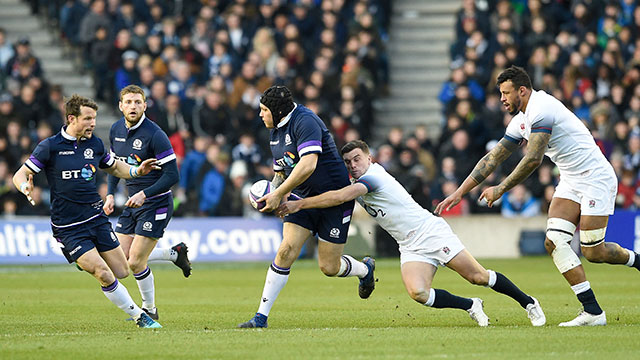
[[139, 252], [333, 262], [418, 276], [563, 216], [96, 264], [293, 238], [471, 270], [600, 251]]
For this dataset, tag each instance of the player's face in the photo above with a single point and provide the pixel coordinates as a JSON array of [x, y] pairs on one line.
[[132, 107], [84, 124], [267, 117], [510, 97], [357, 162]]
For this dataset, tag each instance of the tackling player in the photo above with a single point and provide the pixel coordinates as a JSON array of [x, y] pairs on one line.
[[425, 241], [70, 159], [134, 138], [584, 196], [306, 159]]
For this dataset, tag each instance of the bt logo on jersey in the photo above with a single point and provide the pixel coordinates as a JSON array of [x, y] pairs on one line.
[[86, 173]]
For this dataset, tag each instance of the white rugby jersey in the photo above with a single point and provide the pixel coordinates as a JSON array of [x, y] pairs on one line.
[[396, 211], [571, 146]]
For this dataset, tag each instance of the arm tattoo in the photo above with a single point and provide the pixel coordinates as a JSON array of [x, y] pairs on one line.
[[535, 152], [495, 157], [278, 179]]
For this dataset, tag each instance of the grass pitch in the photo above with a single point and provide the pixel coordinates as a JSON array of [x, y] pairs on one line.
[[56, 312]]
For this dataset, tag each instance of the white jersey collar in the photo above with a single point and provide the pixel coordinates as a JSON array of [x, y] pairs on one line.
[[66, 135], [144, 116], [288, 117]]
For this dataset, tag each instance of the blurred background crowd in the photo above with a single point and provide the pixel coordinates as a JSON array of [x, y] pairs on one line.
[[204, 64]]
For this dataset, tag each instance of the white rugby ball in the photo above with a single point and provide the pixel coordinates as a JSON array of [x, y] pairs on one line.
[[258, 190]]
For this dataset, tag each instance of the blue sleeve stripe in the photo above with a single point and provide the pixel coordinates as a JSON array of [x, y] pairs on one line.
[[365, 183], [541, 129], [512, 139]]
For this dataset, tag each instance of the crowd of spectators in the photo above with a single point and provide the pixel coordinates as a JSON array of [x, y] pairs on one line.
[[203, 65]]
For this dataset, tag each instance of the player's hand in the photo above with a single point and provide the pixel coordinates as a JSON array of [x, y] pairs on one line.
[[272, 201], [27, 187], [147, 166], [136, 200], [491, 195], [288, 207], [109, 204], [446, 204]]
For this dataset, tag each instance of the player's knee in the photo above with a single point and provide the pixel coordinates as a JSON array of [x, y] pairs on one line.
[[285, 253], [478, 278], [560, 232], [419, 294], [594, 254], [121, 272], [549, 246], [329, 269]]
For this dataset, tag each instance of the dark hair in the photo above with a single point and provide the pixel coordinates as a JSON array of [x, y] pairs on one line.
[[73, 104], [132, 89], [278, 100], [355, 144], [517, 76]]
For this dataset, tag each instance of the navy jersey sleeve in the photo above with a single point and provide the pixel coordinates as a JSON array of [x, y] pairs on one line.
[[308, 136], [162, 149], [108, 158], [371, 182], [39, 158]]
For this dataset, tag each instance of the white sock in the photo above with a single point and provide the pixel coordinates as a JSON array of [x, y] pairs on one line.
[[432, 298], [147, 289], [632, 258], [492, 278], [352, 267], [163, 254], [118, 294], [276, 280], [580, 288]]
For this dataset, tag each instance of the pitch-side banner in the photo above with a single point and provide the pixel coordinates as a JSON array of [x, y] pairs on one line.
[[29, 240]]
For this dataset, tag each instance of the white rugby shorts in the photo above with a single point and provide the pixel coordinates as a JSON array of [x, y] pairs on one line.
[[437, 248], [595, 190]]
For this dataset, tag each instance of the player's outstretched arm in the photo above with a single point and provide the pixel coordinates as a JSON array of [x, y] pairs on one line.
[[481, 171], [125, 171], [23, 181], [536, 148], [324, 200]]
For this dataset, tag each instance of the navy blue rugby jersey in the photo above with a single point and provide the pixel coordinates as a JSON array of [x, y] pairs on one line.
[[300, 133], [143, 141], [70, 166]]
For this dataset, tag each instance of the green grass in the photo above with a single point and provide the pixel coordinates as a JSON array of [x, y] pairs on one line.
[[57, 312]]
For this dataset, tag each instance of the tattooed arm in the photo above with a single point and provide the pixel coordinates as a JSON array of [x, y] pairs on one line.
[[538, 142], [481, 171], [278, 179]]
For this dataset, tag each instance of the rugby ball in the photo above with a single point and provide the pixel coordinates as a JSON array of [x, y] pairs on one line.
[[258, 190]]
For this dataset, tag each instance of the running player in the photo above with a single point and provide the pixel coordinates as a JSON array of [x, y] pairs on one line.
[[584, 196], [134, 138], [70, 159], [426, 241], [306, 159]]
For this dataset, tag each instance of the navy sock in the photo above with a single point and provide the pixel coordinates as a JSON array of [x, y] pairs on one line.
[[504, 286], [445, 299], [589, 302], [636, 262]]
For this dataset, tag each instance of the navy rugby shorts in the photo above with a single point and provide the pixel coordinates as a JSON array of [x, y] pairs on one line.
[[330, 224], [77, 240], [149, 220]]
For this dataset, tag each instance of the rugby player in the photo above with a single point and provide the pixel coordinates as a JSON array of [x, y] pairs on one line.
[[306, 160], [70, 160], [135, 138], [585, 195], [425, 241]]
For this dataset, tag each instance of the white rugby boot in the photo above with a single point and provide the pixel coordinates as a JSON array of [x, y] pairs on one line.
[[477, 313], [586, 319], [535, 313]]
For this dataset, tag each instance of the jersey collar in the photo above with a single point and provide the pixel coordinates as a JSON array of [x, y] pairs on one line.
[[66, 135], [144, 116], [288, 117]]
